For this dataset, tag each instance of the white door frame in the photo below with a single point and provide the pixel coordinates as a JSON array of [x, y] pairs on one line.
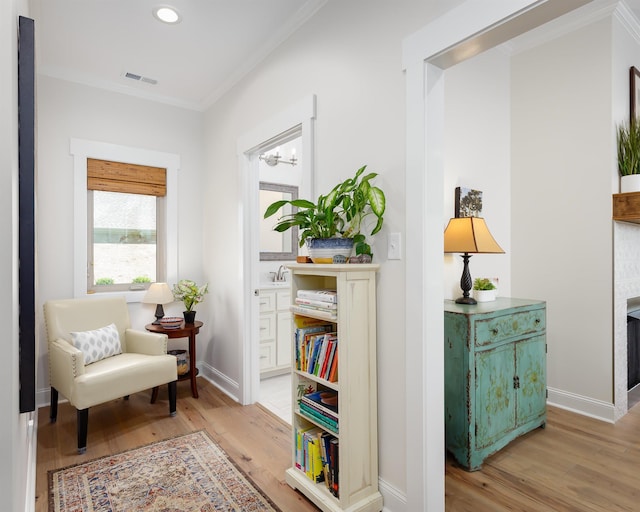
[[249, 146], [465, 31]]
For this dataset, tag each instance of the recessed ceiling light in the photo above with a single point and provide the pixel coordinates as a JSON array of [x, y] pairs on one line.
[[166, 14]]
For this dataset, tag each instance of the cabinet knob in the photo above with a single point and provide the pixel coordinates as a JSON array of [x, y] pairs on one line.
[[516, 382], [494, 331], [537, 320]]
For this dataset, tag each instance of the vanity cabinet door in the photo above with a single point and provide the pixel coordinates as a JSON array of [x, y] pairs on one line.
[[532, 378]]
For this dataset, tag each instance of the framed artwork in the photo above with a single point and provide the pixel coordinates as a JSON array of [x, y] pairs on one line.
[[634, 87], [468, 202]]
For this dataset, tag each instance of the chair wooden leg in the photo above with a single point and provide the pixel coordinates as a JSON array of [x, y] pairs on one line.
[[53, 408], [172, 397], [154, 395], [83, 423]]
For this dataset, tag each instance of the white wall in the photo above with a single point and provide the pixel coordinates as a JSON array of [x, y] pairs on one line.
[[349, 55], [626, 239], [67, 110], [562, 162], [477, 155], [17, 475]]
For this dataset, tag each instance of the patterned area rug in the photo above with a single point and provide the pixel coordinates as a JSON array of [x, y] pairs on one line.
[[186, 473]]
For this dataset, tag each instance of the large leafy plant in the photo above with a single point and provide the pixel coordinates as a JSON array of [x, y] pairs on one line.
[[340, 213], [189, 293]]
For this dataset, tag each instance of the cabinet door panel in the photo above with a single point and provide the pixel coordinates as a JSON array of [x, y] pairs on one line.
[[495, 394], [531, 372]]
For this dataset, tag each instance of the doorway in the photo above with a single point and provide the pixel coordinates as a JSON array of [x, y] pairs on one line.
[[280, 177], [294, 122]]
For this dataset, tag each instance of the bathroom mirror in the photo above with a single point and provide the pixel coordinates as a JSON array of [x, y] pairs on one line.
[[274, 245]]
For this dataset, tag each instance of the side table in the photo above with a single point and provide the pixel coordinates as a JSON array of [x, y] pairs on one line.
[[184, 331]]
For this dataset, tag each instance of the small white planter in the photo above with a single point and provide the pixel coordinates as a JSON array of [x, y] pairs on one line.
[[484, 295], [630, 183]]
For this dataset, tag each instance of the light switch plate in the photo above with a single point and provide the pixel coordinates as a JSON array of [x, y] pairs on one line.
[[394, 251]]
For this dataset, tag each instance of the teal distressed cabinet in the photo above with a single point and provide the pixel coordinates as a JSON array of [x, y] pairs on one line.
[[495, 375]]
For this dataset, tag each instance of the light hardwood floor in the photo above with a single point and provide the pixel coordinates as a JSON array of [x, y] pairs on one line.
[[575, 464]]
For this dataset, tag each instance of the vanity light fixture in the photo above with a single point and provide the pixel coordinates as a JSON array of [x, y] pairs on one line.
[[273, 159], [469, 235], [167, 14]]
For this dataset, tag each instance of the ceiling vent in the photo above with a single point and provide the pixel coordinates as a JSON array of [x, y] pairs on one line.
[[141, 78]]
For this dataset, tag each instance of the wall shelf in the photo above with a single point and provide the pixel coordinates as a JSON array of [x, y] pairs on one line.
[[626, 207]]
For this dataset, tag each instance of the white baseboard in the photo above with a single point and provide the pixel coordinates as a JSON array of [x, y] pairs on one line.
[[228, 386], [393, 499], [579, 404]]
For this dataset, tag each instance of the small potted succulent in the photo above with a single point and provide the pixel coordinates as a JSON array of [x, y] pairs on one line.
[[190, 294], [335, 219], [484, 290]]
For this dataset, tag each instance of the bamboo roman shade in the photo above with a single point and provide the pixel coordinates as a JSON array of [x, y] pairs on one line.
[[126, 178]]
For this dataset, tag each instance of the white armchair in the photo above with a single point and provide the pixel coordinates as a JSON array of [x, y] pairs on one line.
[[142, 363]]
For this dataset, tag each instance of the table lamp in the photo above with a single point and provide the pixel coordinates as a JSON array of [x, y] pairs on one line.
[[158, 293], [468, 235]]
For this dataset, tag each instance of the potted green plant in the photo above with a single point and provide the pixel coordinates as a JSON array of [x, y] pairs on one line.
[[629, 156], [190, 294], [336, 218], [484, 290]]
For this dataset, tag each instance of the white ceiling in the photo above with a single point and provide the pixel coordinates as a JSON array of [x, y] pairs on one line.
[[96, 42]]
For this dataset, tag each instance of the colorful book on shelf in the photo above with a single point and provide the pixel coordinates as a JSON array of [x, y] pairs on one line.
[[318, 410], [301, 337], [319, 418], [328, 360], [301, 322], [333, 373], [327, 399], [315, 303], [321, 295], [334, 452], [325, 315]]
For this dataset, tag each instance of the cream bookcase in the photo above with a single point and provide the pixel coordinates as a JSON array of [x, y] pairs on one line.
[[355, 326]]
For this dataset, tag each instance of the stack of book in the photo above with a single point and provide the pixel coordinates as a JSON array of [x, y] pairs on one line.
[[317, 457], [319, 303], [316, 350], [322, 407]]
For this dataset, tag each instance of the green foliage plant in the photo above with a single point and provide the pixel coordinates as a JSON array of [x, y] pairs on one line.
[[629, 148], [189, 293], [340, 213], [141, 279], [102, 281], [483, 283]]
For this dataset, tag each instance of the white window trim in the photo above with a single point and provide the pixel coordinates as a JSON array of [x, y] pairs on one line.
[[81, 150]]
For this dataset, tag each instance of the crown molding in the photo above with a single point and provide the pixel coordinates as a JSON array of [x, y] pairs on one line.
[[575, 20]]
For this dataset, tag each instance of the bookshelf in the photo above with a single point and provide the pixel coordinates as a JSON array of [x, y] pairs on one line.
[[356, 433]]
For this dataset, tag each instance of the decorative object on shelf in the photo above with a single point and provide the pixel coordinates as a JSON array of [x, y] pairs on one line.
[[182, 360], [171, 322], [629, 156], [469, 235], [468, 202], [484, 290], [339, 214], [160, 294], [190, 294]]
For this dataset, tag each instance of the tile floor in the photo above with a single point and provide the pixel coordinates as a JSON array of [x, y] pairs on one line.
[[275, 395]]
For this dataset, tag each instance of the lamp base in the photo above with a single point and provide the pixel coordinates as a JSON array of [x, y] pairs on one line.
[[159, 314], [466, 300]]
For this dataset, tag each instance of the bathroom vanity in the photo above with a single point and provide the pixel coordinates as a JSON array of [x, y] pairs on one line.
[[275, 329]]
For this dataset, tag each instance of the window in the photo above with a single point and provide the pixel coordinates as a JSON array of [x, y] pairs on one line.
[[125, 218]]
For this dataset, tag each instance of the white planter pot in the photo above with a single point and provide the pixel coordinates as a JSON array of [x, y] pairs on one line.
[[630, 183], [484, 295]]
